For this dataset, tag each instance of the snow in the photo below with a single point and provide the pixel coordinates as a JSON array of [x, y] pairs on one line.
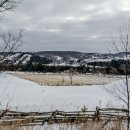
[[97, 60], [25, 58], [58, 57], [24, 95], [11, 57], [15, 58]]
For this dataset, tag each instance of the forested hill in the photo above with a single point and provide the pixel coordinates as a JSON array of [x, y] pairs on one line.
[[61, 58]]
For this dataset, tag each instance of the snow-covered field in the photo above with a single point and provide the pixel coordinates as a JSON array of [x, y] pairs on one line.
[[24, 95]]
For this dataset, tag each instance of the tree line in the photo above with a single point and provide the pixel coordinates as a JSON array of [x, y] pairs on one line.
[[116, 67]]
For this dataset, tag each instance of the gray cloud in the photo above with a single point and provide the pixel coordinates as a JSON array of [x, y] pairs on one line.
[[78, 25]]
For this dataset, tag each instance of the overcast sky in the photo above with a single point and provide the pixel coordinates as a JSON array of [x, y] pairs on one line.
[[68, 25]]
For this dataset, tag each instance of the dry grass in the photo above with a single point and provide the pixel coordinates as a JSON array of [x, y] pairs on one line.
[[64, 79], [90, 125]]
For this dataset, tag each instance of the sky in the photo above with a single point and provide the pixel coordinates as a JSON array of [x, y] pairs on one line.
[[67, 25]]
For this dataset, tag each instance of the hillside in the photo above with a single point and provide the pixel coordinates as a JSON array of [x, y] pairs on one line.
[[62, 58]]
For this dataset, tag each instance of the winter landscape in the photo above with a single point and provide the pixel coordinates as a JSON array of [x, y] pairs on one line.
[[64, 65]]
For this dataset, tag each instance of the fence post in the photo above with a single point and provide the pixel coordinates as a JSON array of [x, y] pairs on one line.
[[84, 110], [97, 114], [54, 116]]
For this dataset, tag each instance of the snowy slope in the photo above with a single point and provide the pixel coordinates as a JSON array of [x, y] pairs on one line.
[[17, 58], [60, 58], [24, 59], [23, 95]]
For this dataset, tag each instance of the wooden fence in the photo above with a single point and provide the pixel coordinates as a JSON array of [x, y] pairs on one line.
[[39, 118]]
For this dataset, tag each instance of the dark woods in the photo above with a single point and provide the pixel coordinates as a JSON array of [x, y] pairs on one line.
[[115, 67]]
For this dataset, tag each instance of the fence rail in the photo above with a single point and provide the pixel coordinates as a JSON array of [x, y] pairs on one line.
[[39, 118]]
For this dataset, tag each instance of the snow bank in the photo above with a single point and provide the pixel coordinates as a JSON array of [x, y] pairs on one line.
[[24, 95]]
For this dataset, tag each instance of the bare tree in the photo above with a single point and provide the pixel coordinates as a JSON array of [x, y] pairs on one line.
[[9, 41], [121, 44], [7, 5]]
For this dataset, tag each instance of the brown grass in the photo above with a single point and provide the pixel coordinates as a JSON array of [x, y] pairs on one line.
[[90, 125], [64, 79]]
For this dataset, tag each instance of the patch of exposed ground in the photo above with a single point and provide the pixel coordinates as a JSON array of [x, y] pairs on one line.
[[64, 79]]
